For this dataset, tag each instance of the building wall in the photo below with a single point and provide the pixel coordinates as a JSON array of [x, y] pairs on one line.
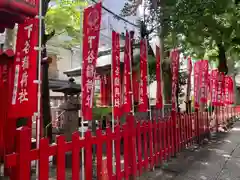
[[62, 60]]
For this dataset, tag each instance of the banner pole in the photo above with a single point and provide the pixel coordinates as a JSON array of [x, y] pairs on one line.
[[38, 113], [112, 99], [131, 70], [148, 81]]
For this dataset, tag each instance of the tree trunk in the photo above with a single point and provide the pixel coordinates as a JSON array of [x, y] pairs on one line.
[[166, 74], [45, 83], [46, 113], [222, 67]]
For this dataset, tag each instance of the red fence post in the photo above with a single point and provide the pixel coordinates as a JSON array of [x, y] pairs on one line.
[[126, 151], [160, 141], [217, 118], [88, 156], [117, 152], [145, 145], [99, 154], [23, 143], [197, 128], [139, 141], [44, 159], [155, 142], [165, 128], [150, 131], [109, 152], [131, 123], [75, 156], [61, 158]]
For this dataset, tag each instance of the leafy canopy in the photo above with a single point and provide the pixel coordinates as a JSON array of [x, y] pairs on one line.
[[65, 17], [202, 28]]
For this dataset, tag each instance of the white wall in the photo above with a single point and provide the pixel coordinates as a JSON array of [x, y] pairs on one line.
[[66, 59]]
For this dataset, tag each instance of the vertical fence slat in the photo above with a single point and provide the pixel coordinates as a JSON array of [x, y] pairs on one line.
[[132, 127], [109, 153], [174, 133], [60, 158], [160, 141], [208, 123], [155, 143], [44, 159], [177, 134], [75, 156], [169, 138], [88, 156], [191, 128], [23, 149], [187, 129], [150, 143], [182, 131], [139, 141], [117, 154], [145, 143], [165, 139], [99, 154], [126, 151]]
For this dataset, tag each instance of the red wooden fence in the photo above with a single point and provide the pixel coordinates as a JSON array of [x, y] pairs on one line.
[[145, 144]]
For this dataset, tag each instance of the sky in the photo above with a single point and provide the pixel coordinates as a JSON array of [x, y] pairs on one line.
[[108, 21]]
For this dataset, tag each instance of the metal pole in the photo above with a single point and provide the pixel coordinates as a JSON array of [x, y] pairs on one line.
[[161, 82], [150, 112], [82, 118], [113, 147], [39, 48], [131, 79]]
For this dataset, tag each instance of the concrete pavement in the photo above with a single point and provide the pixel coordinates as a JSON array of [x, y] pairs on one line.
[[217, 159]]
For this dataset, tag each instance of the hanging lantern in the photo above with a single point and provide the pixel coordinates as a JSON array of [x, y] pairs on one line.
[[15, 11]]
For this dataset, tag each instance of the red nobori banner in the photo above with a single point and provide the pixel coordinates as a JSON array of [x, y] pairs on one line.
[[135, 84], [227, 90], [231, 90], [189, 66], [220, 89], [196, 83], [213, 86], [103, 90], [116, 75], [91, 31], [127, 100], [203, 81], [175, 68], [159, 100], [143, 96], [217, 86], [24, 92]]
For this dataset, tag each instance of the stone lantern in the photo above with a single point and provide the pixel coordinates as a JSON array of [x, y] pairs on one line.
[[70, 107]]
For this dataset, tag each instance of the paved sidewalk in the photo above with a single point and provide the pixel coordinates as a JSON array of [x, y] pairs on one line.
[[219, 159]]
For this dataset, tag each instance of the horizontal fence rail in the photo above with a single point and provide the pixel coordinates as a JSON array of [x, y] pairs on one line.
[[139, 146]]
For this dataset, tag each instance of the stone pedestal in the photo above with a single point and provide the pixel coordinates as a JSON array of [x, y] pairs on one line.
[[69, 124], [70, 117]]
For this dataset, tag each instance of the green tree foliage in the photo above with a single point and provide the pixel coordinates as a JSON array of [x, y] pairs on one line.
[[65, 17], [203, 28]]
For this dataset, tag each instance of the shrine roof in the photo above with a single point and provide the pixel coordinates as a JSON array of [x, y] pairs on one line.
[[103, 63], [56, 83]]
